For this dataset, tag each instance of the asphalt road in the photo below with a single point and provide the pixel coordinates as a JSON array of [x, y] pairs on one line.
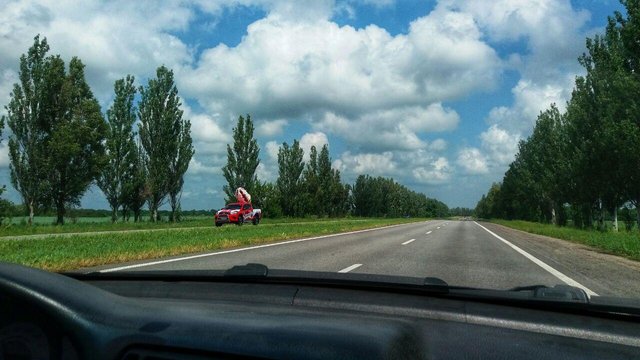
[[463, 253]]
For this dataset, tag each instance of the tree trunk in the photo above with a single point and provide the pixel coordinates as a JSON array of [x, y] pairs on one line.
[[601, 216], [30, 212], [638, 217], [114, 215], [615, 219], [60, 212]]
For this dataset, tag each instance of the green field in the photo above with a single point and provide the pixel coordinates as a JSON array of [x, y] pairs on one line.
[[58, 253], [622, 243], [44, 225]]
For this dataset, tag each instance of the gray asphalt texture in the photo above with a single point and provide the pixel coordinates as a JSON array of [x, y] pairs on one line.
[[459, 252]]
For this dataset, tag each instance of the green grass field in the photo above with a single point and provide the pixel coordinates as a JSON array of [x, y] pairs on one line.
[[622, 243], [58, 253], [44, 225]]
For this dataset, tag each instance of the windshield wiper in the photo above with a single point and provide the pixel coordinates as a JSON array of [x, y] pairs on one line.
[[256, 272], [559, 297], [560, 292]]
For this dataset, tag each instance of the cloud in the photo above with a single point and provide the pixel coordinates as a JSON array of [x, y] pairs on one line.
[[553, 30], [392, 129], [271, 128], [272, 148], [472, 161], [359, 164], [317, 139], [529, 100], [438, 172], [266, 173], [500, 145], [302, 67], [198, 168], [438, 145], [4, 155], [112, 38]]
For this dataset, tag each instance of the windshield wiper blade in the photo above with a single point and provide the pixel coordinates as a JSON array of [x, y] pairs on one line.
[[254, 271], [251, 270], [560, 292]]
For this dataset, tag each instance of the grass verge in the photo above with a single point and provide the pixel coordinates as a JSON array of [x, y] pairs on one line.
[[622, 243], [102, 224], [72, 252]]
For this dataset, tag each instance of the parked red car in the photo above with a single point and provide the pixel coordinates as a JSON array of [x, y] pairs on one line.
[[238, 213]]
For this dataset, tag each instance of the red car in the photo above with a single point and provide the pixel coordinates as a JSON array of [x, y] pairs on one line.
[[238, 213]]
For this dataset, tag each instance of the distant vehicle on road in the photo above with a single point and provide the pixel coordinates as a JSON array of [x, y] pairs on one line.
[[238, 213]]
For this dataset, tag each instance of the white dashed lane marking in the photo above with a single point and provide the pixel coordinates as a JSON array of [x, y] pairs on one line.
[[347, 269], [408, 241]]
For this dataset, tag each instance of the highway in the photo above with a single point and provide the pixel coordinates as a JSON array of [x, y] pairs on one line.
[[463, 253]]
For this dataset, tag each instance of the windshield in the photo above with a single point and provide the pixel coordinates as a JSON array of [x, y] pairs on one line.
[[490, 144]]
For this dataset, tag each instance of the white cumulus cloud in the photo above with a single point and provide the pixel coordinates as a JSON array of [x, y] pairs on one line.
[[372, 164], [437, 172], [317, 139], [472, 161]]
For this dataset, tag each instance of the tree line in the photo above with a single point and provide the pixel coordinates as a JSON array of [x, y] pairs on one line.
[[583, 164], [60, 141], [313, 187], [138, 151]]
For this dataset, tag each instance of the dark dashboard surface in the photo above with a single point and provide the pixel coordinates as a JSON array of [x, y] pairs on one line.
[[45, 315]]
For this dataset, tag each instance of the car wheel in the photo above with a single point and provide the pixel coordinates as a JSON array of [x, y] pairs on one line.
[[218, 224], [240, 221], [256, 220]]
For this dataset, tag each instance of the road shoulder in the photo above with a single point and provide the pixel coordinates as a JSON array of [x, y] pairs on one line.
[[604, 273]]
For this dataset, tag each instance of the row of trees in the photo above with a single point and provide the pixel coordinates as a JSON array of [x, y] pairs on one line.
[[60, 142], [585, 162], [313, 187], [385, 197]]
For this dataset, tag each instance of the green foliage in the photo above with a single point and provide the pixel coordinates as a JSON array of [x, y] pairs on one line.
[[267, 198], [119, 172], [585, 163], [460, 211], [178, 167], [242, 159], [289, 183], [165, 139], [74, 137], [381, 197], [311, 184], [135, 190], [56, 148], [26, 114]]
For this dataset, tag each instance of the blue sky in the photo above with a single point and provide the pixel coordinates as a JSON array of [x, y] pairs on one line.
[[435, 94]]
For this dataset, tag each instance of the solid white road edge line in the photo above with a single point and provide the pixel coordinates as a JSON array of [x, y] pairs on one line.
[[126, 267], [408, 241], [347, 269], [567, 280]]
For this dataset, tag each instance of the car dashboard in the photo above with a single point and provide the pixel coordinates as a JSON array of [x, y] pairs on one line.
[[52, 316]]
